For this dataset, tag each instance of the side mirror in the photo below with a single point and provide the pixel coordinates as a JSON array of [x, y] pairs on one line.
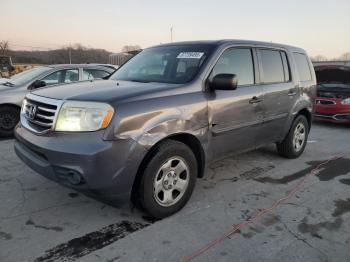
[[37, 84], [224, 82]]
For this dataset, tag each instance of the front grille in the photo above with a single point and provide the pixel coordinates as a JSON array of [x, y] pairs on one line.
[[340, 95], [39, 113], [325, 102]]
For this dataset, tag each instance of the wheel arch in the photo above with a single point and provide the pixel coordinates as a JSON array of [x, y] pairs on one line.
[[188, 139], [305, 112], [10, 105]]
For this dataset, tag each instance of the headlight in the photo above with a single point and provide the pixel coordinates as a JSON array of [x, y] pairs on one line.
[[346, 101], [24, 105], [84, 116]]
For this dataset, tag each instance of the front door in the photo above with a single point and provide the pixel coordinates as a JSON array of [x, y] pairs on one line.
[[235, 116]]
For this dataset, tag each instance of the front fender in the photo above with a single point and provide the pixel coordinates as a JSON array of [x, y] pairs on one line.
[[154, 127], [148, 122]]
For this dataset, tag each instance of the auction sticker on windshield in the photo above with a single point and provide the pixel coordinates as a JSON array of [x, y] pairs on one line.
[[193, 55]]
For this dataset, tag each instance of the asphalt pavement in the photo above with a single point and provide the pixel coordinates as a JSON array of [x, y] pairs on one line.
[[43, 221]]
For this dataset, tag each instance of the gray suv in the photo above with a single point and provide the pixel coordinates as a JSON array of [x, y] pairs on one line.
[[148, 132]]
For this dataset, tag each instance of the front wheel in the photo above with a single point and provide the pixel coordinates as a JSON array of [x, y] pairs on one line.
[[9, 117], [295, 142], [168, 179]]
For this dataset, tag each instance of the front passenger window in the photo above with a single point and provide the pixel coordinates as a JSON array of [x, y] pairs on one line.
[[52, 78], [62, 76], [238, 61]]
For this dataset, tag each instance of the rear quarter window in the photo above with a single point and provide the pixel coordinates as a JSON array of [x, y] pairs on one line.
[[303, 67]]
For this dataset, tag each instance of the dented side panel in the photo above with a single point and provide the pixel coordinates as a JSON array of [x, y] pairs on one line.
[[150, 120]]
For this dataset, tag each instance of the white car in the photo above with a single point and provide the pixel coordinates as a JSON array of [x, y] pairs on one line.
[[3, 80]]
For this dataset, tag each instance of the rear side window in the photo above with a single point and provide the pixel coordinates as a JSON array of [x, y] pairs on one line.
[[272, 66], [238, 61], [89, 74], [303, 67]]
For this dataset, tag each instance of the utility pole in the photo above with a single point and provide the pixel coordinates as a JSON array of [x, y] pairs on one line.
[[171, 34], [70, 54]]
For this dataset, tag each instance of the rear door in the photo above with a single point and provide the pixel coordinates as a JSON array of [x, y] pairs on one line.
[[235, 116], [280, 93]]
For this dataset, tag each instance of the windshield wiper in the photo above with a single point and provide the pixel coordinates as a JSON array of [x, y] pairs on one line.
[[138, 81]]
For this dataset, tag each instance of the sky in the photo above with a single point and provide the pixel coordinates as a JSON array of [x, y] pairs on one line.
[[319, 26]]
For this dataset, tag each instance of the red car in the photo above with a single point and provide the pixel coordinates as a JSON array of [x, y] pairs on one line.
[[333, 93]]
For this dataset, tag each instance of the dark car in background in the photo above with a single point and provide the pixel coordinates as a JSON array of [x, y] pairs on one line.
[[148, 132], [14, 89], [333, 92]]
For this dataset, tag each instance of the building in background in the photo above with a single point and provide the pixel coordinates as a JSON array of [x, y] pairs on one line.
[[120, 58], [332, 63]]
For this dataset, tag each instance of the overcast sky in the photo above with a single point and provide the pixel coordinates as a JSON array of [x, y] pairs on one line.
[[319, 26]]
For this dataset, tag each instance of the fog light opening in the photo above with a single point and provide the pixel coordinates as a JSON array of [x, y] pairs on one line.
[[74, 178]]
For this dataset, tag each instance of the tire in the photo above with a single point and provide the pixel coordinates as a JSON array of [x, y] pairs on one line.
[[292, 147], [168, 179], [9, 117]]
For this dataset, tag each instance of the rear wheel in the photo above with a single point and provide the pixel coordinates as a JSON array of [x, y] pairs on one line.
[[9, 117], [168, 179], [294, 143]]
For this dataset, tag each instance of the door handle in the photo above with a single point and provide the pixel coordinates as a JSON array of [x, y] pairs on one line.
[[255, 100]]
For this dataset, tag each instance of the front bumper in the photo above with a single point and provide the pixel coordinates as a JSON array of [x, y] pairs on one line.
[[331, 110], [336, 118], [106, 168]]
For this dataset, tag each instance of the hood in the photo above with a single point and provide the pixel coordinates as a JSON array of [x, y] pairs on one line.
[[5, 89], [102, 90], [4, 80]]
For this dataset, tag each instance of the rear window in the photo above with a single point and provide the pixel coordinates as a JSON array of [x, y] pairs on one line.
[[272, 66], [91, 73], [303, 67]]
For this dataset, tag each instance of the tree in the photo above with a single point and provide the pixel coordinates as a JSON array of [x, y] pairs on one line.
[[345, 56], [4, 47], [130, 48], [319, 58]]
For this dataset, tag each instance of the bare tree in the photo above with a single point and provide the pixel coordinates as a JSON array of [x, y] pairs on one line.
[[4, 47], [345, 56], [319, 58], [129, 48]]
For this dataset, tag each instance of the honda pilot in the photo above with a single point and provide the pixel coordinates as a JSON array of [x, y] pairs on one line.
[[148, 132]]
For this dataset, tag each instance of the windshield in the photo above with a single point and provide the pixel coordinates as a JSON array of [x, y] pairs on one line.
[[333, 77], [169, 64], [26, 76]]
